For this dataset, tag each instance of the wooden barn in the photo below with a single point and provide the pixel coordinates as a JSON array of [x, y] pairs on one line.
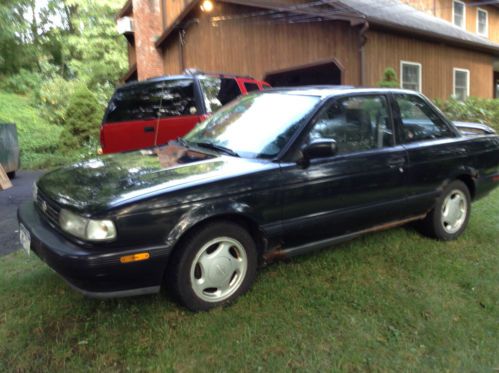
[[319, 42]]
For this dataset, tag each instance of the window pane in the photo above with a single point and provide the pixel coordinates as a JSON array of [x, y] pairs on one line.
[[211, 90], [461, 84], [482, 22], [177, 98], [147, 101], [419, 121], [356, 124], [459, 14], [218, 92], [410, 77], [251, 125], [251, 87]]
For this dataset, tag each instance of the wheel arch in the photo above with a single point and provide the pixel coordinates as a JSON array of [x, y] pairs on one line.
[[198, 218], [470, 183], [467, 175]]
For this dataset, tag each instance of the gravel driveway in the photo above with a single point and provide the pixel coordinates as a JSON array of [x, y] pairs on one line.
[[10, 200]]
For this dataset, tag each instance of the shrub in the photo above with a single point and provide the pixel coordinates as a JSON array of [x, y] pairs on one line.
[[473, 109], [53, 99], [389, 78], [22, 83], [83, 116]]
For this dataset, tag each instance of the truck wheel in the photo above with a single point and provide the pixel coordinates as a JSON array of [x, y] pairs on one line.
[[214, 266], [451, 213], [11, 174]]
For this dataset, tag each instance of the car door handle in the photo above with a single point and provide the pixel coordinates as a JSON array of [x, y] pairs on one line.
[[148, 129], [396, 162]]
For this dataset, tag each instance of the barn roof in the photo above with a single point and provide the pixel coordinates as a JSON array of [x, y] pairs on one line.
[[394, 14]]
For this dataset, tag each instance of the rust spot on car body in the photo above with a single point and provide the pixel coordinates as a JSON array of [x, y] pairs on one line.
[[280, 253]]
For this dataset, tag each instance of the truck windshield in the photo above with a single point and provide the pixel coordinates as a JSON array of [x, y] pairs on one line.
[[257, 125]]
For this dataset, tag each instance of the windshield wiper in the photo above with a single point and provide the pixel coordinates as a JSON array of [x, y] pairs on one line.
[[182, 142], [221, 148]]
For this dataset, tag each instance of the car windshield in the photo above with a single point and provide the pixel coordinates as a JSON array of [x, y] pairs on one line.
[[254, 126]]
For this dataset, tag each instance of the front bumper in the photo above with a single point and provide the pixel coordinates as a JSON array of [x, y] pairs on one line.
[[95, 272]]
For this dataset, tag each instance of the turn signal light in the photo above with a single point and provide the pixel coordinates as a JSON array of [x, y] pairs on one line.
[[134, 258]]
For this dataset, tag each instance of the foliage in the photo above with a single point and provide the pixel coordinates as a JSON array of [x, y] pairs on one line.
[[473, 109], [95, 52], [22, 83], [391, 301], [37, 138], [389, 78], [53, 96], [82, 119]]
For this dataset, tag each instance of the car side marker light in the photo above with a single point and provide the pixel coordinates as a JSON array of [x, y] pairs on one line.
[[134, 258]]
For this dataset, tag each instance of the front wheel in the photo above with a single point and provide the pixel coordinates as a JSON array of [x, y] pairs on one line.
[[214, 266], [451, 213]]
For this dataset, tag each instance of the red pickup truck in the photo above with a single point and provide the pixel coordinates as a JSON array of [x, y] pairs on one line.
[[155, 111]]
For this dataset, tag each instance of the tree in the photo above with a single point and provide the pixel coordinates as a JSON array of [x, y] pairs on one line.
[[93, 49]]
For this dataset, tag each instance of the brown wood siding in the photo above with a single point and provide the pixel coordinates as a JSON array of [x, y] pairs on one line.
[[132, 58], [443, 9], [173, 9], [387, 50], [255, 46]]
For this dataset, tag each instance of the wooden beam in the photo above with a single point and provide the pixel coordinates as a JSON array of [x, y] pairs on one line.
[[4, 179]]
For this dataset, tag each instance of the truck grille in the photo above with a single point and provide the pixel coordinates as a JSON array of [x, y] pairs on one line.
[[48, 210]]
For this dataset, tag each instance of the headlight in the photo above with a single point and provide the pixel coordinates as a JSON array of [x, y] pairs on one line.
[[87, 229]]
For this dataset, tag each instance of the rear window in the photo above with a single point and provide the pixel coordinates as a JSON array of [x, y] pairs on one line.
[[251, 87], [147, 101], [218, 92]]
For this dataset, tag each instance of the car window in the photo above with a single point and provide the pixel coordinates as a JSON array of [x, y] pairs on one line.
[[218, 92], [355, 123], [419, 121], [147, 101], [257, 125], [251, 87]]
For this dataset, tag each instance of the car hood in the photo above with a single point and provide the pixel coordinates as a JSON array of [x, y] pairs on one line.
[[113, 180]]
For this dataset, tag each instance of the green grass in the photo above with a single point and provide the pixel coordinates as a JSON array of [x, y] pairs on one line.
[[38, 140], [389, 301]]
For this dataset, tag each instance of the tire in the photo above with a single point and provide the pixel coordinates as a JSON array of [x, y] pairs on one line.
[[450, 215], [11, 174], [213, 266]]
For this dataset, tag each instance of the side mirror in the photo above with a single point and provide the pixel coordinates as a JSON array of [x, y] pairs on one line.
[[320, 148]]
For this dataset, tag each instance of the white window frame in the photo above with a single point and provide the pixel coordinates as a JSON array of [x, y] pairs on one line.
[[456, 69], [478, 10], [420, 78], [464, 13]]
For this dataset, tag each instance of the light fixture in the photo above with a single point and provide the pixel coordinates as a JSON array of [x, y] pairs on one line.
[[207, 6]]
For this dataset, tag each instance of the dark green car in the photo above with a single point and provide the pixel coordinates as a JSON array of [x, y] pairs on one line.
[[9, 149]]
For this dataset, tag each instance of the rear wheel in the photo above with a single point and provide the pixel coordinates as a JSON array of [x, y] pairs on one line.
[[213, 267], [451, 213]]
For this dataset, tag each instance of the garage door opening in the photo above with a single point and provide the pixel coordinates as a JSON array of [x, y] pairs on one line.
[[315, 74]]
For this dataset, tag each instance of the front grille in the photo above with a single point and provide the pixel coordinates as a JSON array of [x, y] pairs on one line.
[[48, 209]]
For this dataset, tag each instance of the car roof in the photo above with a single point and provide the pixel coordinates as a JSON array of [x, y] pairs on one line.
[[189, 74], [325, 91]]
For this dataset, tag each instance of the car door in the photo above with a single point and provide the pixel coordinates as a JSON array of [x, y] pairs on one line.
[[362, 186], [131, 118], [432, 147]]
